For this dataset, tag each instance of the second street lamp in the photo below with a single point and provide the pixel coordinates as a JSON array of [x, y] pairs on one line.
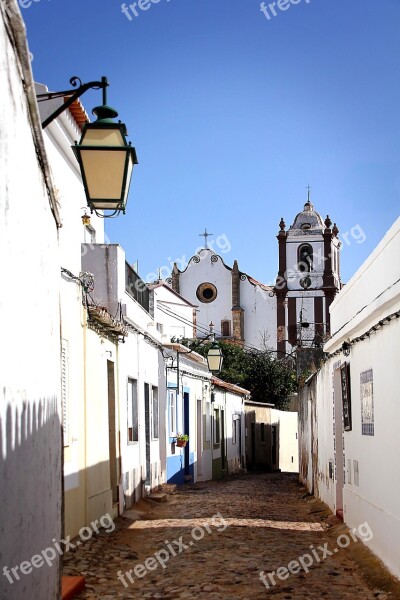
[[214, 354]]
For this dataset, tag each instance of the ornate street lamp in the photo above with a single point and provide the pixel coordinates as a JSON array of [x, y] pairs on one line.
[[105, 157], [106, 161], [214, 354]]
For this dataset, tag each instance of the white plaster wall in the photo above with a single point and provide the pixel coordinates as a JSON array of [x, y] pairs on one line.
[[59, 136], [137, 359], [207, 427], [166, 301], [326, 436], [219, 402], [234, 408], [97, 463], [30, 450], [376, 499], [259, 316], [288, 439], [371, 287]]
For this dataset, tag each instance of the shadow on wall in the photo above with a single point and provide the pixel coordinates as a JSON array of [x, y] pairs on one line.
[[30, 496]]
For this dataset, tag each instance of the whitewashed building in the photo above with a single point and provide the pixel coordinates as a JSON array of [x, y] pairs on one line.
[[174, 316], [349, 411], [186, 408], [87, 489], [136, 366], [30, 415], [227, 428]]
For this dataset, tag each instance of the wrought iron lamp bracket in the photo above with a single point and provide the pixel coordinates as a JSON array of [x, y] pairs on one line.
[[72, 96]]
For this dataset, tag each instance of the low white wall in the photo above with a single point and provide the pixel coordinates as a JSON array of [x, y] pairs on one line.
[[287, 423]]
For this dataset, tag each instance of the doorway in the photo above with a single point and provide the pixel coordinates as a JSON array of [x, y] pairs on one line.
[[186, 431], [199, 440], [147, 431], [112, 432]]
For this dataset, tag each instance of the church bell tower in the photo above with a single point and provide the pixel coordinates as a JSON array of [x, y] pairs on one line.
[[308, 279]]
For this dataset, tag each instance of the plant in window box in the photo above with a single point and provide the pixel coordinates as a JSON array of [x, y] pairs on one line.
[[181, 440]]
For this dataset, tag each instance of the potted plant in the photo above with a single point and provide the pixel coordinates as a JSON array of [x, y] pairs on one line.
[[181, 440]]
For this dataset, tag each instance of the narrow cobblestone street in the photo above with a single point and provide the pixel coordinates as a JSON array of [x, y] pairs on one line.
[[181, 549]]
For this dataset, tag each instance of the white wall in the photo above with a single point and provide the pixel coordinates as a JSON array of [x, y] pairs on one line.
[[259, 316], [235, 451], [372, 295], [173, 313], [79, 453], [361, 300], [30, 449], [137, 358], [287, 423]]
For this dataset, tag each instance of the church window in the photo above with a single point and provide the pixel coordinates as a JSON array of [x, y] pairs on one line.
[[226, 328], [305, 258], [206, 292]]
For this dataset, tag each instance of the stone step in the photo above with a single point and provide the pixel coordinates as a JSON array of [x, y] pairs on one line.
[[157, 497]]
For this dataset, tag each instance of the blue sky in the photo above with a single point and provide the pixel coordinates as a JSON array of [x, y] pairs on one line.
[[233, 115]]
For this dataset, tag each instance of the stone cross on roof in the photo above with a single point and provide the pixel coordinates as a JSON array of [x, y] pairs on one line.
[[205, 235]]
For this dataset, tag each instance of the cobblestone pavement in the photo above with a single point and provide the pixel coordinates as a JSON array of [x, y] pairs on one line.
[[181, 549]]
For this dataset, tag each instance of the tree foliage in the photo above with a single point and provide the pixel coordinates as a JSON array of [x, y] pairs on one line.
[[259, 371]]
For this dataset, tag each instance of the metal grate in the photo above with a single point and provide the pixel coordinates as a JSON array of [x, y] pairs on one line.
[[137, 288]]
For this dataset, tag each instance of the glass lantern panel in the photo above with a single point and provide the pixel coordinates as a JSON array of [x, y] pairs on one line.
[[104, 172], [103, 137], [128, 176], [214, 359]]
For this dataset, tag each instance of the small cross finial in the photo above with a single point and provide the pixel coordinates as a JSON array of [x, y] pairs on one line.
[[308, 193], [205, 235]]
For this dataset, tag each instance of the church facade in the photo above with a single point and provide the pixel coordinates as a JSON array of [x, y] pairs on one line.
[[293, 312]]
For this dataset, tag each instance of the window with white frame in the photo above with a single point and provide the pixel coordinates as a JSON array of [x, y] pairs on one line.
[[154, 413], [172, 412], [132, 412], [65, 391]]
